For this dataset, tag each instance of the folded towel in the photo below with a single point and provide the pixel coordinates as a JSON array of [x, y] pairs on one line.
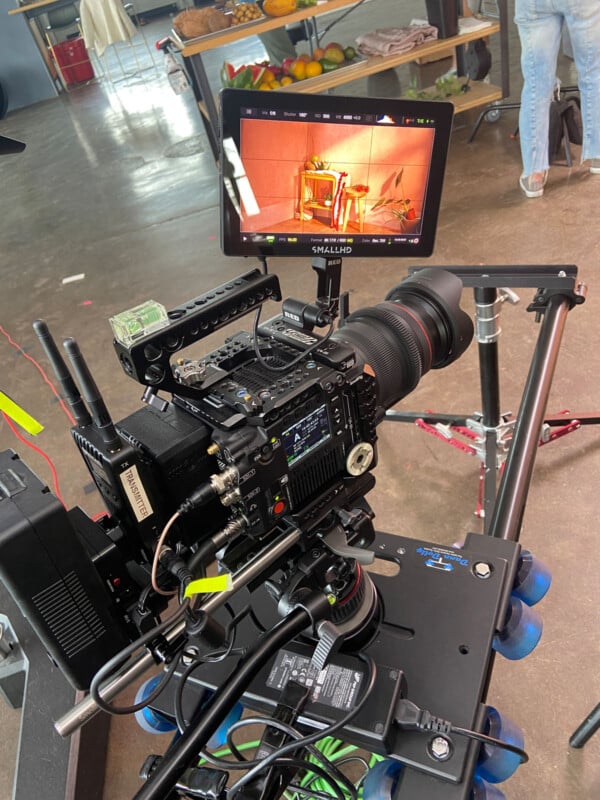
[[391, 41]]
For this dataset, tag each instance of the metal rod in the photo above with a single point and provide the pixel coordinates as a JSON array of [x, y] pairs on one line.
[[488, 331], [86, 709], [514, 485], [586, 730], [204, 94], [504, 46], [490, 480]]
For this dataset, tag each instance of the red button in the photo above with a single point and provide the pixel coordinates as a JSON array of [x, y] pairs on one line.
[[278, 508]]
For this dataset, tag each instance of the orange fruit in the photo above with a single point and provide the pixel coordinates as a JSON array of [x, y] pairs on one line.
[[313, 68], [268, 76], [274, 84], [264, 87], [318, 53], [298, 70], [304, 57], [286, 80]]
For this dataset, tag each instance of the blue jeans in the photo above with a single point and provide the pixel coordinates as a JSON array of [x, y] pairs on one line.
[[540, 24]]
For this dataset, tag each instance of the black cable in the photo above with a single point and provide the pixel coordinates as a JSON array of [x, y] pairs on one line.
[[257, 766], [178, 700], [294, 734], [144, 597], [309, 767], [207, 720], [121, 657], [300, 357], [410, 717], [214, 657], [158, 689], [205, 552], [492, 740]]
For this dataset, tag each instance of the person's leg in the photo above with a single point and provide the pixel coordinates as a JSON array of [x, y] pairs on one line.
[[278, 45], [539, 31], [583, 21]]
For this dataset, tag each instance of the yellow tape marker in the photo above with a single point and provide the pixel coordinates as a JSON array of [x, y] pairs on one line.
[[220, 583], [18, 415]]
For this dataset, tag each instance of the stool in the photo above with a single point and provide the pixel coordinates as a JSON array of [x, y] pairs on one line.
[[359, 198]]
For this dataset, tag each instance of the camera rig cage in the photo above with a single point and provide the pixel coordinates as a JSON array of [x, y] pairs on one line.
[[260, 462]]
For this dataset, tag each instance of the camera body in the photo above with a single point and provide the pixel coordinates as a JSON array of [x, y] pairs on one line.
[[294, 437], [273, 431]]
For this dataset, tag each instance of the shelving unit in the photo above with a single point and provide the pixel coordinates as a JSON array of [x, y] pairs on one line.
[[313, 200], [478, 93]]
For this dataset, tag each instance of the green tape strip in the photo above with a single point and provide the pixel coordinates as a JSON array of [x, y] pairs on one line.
[[220, 583], [19, 415]]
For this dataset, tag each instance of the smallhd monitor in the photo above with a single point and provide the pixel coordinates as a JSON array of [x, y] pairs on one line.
[[320, 175]]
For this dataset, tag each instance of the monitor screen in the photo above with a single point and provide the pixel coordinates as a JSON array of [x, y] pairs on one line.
[[318, 175]]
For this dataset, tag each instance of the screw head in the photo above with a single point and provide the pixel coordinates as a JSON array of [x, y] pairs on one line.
[[440, 748], [482, 570]]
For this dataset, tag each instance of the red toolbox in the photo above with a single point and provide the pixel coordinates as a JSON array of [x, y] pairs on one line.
[[72, 59]]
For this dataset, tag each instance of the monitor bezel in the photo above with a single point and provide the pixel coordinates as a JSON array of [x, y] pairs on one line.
[[232, 104]]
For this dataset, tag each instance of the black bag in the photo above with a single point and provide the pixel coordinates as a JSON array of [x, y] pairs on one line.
[[565, 116]]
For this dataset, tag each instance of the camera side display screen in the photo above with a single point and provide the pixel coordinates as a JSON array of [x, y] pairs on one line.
[[304, 436], [329, 175]]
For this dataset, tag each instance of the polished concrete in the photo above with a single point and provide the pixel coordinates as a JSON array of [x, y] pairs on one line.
[[118, 183]]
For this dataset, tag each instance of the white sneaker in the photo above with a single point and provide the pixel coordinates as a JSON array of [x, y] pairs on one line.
[[533, 185], [595, 166]]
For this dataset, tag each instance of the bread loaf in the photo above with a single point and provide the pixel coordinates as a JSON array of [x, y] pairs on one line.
[[199, 21]]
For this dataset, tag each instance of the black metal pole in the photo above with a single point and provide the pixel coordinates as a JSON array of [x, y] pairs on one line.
[[586, 730], [514, 485], [487, 332], [183, 752], [203, 94]]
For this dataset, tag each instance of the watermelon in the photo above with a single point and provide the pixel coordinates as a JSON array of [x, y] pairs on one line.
[[244, 77], [257, 71]]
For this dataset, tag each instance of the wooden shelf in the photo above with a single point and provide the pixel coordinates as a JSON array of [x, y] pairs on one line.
[[374, 64], [236, 33], [479, 93]]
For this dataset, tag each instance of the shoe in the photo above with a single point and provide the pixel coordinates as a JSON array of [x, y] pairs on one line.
[[533, 185], [595, 166]]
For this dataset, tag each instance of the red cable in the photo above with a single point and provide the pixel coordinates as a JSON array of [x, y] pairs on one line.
[[36, 449], [42, 373]]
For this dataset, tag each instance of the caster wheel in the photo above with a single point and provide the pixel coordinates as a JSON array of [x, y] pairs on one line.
[[493, 115]]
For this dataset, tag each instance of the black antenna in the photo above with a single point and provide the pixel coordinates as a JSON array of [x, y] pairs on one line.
[[68, 385], [93, 398]]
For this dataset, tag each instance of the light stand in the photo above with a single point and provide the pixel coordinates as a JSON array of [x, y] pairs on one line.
[[493, 434]]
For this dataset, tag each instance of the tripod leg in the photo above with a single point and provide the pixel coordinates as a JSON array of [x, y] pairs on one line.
[[586, 730]]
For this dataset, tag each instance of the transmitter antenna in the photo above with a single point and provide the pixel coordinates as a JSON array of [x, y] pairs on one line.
[[100, 416], [64, 377]]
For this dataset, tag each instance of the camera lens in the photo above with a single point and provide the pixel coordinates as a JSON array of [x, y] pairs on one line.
[[420, 326]]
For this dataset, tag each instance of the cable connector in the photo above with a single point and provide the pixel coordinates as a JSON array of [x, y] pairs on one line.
[[175, 565], [410, 717], [198, 498]]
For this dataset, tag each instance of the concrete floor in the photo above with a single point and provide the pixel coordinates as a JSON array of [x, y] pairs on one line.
[[118, 183]]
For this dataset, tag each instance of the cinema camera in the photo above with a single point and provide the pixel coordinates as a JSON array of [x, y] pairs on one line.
[[254, 462]]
